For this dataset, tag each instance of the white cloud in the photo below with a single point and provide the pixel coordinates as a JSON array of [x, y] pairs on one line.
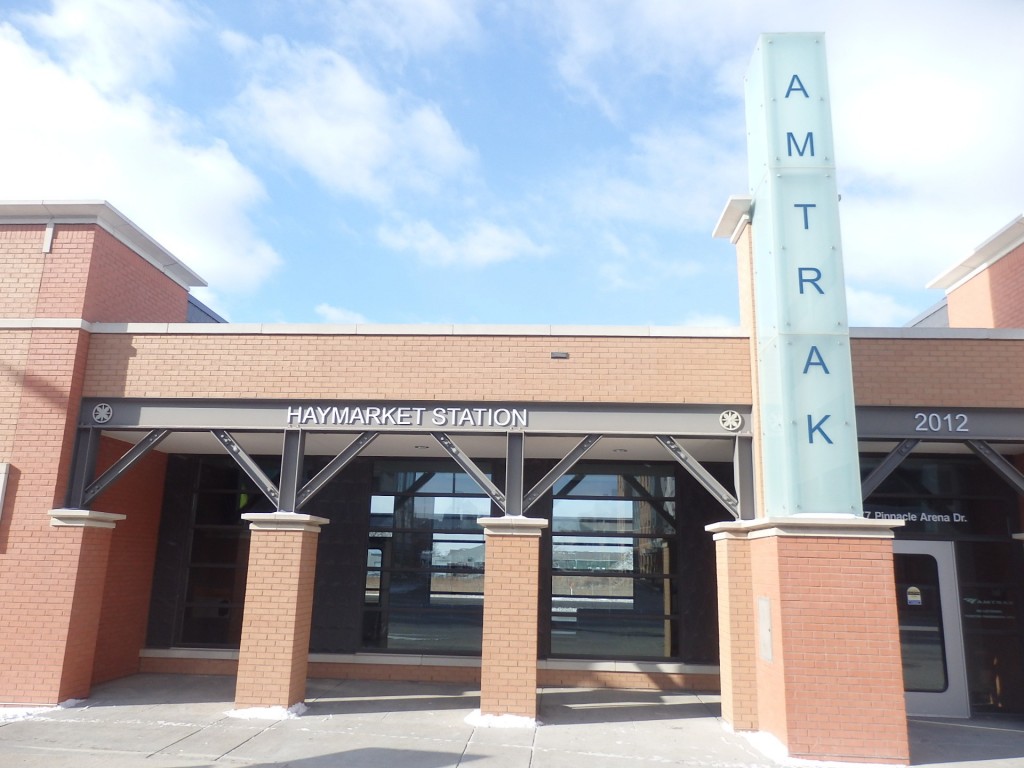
[[675, 178], [872, 308], [926, 98], [111, 43], [406, 27], [318, 110], [708, 320], [331, 314], [72, 141], [481, 244]]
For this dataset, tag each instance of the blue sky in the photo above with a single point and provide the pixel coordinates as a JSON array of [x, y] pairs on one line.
[[525, 162]]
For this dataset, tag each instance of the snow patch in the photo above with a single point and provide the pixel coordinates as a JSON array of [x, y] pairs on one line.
[[268, 713], [477, 720], [10, 714], [768, 745]]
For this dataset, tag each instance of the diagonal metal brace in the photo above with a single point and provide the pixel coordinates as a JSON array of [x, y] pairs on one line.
[[471, 469], [119, 467], [887, 467], [545, 483], [333, 467], [245, 461], [701, 475], [994, 459]]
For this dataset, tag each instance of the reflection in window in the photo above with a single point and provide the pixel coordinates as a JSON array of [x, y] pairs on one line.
[[425, 560], [611, 571]]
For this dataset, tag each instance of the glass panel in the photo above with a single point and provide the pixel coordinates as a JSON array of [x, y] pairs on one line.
[[423, 477], [922, 640], [444, 512], [612, 516], [593, 631], [990, 596], [625, 482], [218, 546], [636, 555], [219, 508]]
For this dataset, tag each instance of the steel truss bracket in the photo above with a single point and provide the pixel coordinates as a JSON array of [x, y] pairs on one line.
[[122, 465], [887, 467], [701, 475], [471, 469], [245, 461], [998, 462], [552, 477], [334, 466]]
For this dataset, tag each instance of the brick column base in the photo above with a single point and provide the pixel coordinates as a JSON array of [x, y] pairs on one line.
[[508, 675], [93, 530], [736, 632], [274, 653], [824, 636]]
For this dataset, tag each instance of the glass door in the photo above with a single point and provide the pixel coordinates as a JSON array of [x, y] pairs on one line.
[[931, 638]]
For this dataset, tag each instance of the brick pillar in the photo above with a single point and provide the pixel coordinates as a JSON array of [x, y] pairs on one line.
[[736, 632], [829, 679], [91, 531], [508, 679], [274, 653]]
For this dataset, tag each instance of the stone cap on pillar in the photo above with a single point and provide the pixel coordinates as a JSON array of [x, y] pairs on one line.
[[831, 526], [83, 518], [284, 521], [512, 525]]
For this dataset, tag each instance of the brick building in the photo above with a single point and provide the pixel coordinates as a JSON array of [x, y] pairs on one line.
[[276, 502]]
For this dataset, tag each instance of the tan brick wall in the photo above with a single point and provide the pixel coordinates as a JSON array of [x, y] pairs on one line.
[[736, 634], [274, 651], [508, 683], [834, 689], [919, 372], [938, 372], [138, 494], [600, 369], [416, 673], [992, 299], [649, 681]]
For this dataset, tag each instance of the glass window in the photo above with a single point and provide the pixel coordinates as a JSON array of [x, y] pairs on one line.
[[425, 559], [612, 578]]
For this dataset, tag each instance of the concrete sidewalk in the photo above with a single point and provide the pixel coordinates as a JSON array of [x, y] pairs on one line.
[[180, 722]]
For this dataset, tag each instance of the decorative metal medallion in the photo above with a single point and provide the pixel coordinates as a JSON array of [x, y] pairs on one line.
[[730, 420], [102, 413]]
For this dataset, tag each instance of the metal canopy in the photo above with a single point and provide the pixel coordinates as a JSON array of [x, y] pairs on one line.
[[81, 498], [701, 475], [334, 466], [887, 467], [994, 459], [556, 472]]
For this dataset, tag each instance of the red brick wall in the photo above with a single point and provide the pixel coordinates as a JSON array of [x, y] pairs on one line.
[[65, 272], [138, 494], [993, 298], [21, 269], [126, 288], [38, 563], [834, 688]]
